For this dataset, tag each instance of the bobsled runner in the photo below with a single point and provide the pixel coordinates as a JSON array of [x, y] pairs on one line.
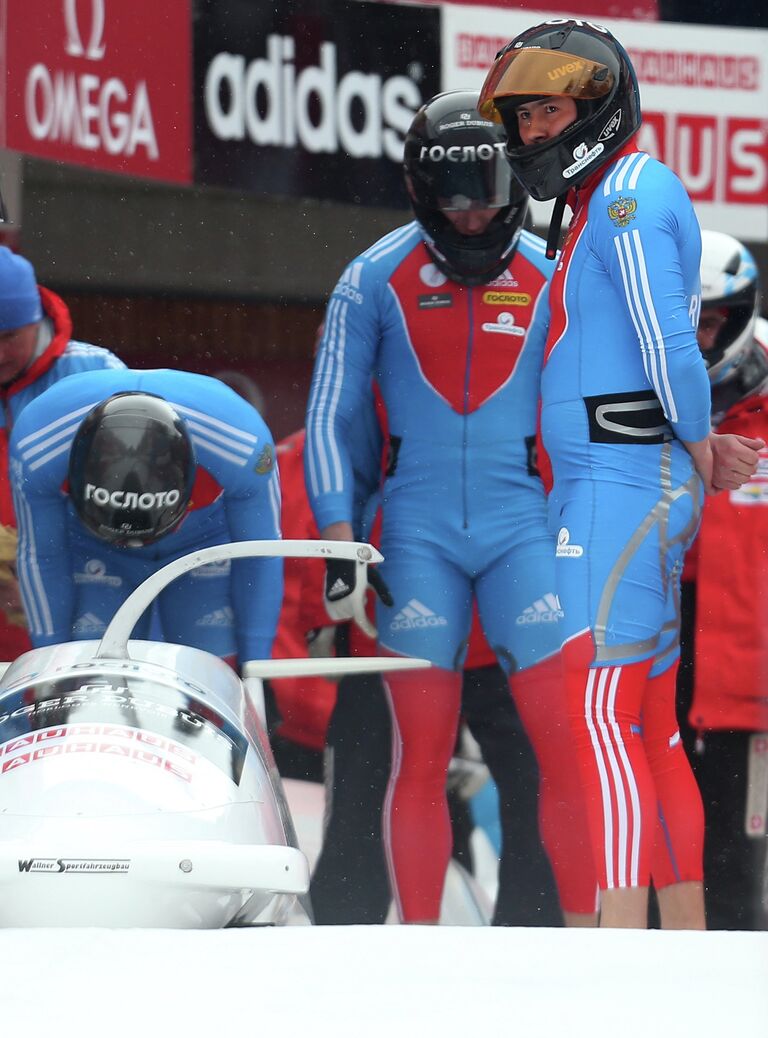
[[137, 785]]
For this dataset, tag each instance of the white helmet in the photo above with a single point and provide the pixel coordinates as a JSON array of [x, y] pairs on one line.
[[729, 282]]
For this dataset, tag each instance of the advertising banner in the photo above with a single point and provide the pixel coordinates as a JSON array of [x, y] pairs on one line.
[[704, 93], [99, 83], [311, 98]]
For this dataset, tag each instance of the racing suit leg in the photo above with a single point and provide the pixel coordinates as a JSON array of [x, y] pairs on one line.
[[425, 708], [605, 704], [539, 693], [677, 856]]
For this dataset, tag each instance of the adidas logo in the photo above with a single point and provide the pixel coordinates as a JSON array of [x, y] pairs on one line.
[[89, 623], [504, 280], [416, 614], [545, 610], [218, 618], [339, 589]]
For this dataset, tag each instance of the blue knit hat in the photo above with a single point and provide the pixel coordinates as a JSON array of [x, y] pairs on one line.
[[19, 297]]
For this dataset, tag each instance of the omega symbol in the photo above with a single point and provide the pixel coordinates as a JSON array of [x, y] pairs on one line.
[[95, 48]]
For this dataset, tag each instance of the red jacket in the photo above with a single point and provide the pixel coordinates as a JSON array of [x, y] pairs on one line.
[[305, 704], [61, 357], [731, 677]]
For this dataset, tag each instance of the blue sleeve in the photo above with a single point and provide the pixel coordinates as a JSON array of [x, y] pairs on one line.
[[257, 584], [340, 384], [365, 448], [651, 245], [233, 443], [38, 457], [80, 357], [43, 552]]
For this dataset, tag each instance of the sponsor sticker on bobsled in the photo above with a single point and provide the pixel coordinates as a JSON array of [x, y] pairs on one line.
[[134, 704], [55, 866]]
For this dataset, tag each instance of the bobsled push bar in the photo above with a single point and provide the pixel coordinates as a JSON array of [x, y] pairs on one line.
[[114, 643]]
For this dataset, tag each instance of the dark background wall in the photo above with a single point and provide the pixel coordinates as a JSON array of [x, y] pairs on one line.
[[197, 279]]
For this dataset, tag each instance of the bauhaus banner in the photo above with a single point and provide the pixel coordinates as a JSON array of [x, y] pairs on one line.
[[310, 98], [704, 93], [100, 83]]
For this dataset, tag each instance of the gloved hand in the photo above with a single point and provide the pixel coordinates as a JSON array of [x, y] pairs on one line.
[[345, 588]]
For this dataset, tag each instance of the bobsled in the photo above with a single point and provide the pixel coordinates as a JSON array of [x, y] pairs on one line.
[[137, 784]]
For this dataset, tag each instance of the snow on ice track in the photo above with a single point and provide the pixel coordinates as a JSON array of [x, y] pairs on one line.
[[376, 981]]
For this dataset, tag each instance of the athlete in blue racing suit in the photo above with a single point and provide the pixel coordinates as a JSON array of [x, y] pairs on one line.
[[72, 581], [448, 315], [625, 421]]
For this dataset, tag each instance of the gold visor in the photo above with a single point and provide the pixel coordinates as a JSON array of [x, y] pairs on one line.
[[542, 73]]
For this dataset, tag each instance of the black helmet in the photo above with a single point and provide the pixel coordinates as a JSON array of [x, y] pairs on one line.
[[131, 469], [454, 161], [728, 284], [564, 58]]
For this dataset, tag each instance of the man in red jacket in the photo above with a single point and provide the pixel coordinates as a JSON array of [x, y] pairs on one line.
[[725, 605], [36, 350]]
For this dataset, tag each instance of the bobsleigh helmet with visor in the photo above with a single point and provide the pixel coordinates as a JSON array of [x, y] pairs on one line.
[[131, 469], [563, 58], [729, 283], [454, 161]]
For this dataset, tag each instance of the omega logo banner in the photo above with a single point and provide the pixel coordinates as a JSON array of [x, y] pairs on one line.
[[100, 83], [311, 98], [704, 93]]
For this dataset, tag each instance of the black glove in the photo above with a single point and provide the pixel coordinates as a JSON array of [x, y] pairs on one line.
[[345, 588]]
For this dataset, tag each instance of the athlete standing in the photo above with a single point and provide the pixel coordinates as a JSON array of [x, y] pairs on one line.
[[626, 422], [448, 316]]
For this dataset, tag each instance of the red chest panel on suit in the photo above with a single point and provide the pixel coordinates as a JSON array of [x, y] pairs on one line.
[[467, 341]]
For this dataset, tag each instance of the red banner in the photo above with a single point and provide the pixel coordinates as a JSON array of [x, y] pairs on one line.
[[100, 83]]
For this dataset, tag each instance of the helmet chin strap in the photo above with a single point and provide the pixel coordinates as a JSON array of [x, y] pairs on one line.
[[555, 224]]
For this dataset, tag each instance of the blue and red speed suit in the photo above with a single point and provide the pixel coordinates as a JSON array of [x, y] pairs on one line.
[[464, 516], [56, 355], [623, 384], [72, 582]]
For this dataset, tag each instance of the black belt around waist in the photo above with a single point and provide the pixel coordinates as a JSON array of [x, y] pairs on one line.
[[627, 418]]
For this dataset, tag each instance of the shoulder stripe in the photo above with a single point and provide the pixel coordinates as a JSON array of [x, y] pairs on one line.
[[214, 448], [629, 166], [216, 424], [61, 449], [392, 241], [47, 429], [204, 433], [636, 170]]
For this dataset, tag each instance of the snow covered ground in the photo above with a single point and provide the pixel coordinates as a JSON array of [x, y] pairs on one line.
[[387, 980], [374, 981]]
